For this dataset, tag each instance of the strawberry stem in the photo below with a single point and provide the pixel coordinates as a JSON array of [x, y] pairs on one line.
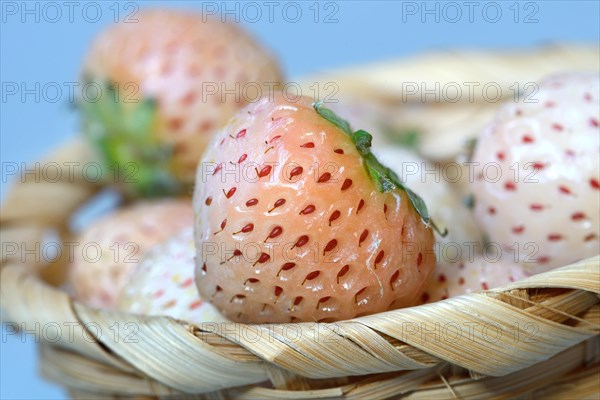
[[385, 179]]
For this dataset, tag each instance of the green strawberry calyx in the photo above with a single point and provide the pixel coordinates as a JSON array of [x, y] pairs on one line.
[[386, 179], [124, 133]]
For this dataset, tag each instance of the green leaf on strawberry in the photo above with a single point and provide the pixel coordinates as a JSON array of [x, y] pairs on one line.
[[384, 178], [125, 135], [333, 118]]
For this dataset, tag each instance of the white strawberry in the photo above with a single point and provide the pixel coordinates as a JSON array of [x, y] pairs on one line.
[[168, 81], [163, 284], [372, 235], [545, 204], [481, 273], [110, 249]]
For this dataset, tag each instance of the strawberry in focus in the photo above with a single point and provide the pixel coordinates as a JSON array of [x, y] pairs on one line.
[[110, 249], [537, 176], [296, 220], [163, 284], [160, 84]]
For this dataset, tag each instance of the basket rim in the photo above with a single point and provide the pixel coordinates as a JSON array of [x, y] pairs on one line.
[[242, 360]]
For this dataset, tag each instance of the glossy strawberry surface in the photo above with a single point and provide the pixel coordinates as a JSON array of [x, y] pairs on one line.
[[537, 182], [293, 225]]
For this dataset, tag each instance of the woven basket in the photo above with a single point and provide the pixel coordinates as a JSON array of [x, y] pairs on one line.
[[535, 338]]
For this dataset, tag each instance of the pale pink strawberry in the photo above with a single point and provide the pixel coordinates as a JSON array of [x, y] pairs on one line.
[[163, 284], [297, 221], [481, 273], [169, 80], [109, 250], [537, 186]]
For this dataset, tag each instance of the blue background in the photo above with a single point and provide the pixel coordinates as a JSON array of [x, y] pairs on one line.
[[44, 51]]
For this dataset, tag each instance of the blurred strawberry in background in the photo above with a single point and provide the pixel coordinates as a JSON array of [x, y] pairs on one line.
[[166, 83]]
